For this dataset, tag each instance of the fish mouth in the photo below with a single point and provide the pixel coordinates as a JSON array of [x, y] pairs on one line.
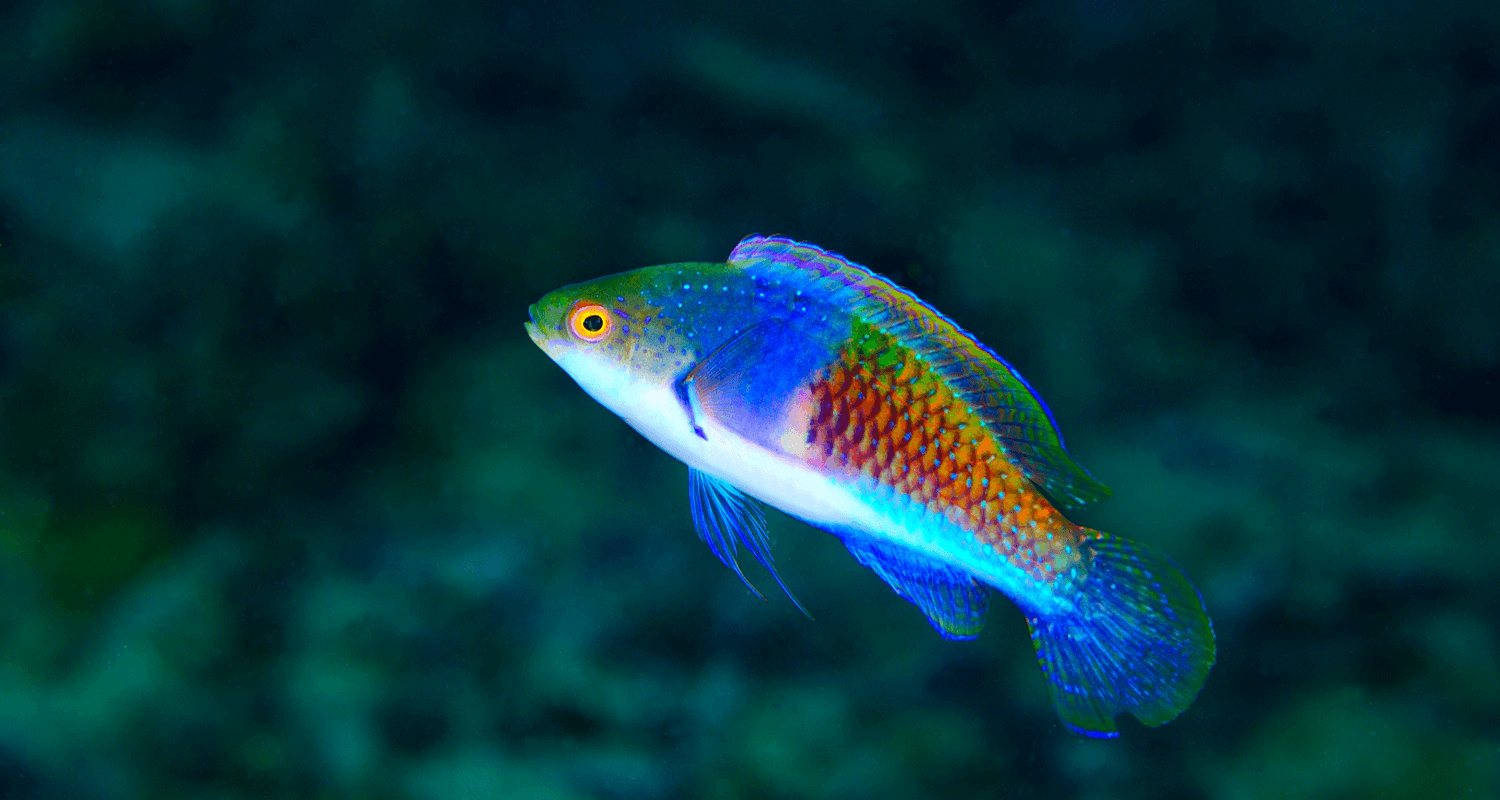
[[532, 329]]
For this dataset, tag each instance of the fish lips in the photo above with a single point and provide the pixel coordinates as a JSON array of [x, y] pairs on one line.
[[534, 330]]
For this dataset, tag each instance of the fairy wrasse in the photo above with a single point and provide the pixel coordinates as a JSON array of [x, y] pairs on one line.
[[810, 383]]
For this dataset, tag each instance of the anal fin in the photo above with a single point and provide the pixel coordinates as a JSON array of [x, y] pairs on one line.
[[953, 601]]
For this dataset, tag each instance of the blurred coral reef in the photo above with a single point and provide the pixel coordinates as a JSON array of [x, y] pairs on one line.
[[290, 507]]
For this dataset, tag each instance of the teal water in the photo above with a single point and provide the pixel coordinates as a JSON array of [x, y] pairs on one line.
[[291, 507]]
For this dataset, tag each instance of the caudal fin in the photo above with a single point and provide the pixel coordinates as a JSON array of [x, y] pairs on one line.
[[1140, 640]]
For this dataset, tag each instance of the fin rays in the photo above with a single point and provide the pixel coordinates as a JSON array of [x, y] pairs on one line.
[[953, 601], [726, 518], [1139, 641]]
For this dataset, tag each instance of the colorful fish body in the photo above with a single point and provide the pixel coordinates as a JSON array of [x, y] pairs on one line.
[[798, 378]]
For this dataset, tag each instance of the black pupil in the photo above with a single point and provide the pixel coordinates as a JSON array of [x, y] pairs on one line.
[[593, 323]]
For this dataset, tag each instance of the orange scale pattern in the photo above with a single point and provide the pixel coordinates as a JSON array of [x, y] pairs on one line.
[[879, 413]]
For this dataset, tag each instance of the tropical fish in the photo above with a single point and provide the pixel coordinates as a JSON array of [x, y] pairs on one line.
[[800, 379]]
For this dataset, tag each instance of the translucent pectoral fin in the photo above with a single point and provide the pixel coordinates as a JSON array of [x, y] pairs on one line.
[[746, 383], [726, 518], [717, 386], [953, 601]]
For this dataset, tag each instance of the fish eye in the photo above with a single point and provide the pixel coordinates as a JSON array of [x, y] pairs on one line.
[[590, 322]]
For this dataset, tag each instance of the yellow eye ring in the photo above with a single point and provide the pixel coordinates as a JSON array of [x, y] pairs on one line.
[[590, 322]]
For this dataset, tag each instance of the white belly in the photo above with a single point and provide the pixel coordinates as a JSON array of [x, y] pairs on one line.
[[773, 478]]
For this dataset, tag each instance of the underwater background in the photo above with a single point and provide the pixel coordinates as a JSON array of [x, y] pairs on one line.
[[290, 506]]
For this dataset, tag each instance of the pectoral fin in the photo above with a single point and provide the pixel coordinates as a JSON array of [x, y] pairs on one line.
[[746, 383]]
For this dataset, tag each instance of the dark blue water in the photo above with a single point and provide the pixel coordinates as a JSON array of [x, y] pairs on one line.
[[291, 507]]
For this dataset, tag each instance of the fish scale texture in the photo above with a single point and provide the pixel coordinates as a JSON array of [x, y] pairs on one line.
[[882, 414], [1137, 639]]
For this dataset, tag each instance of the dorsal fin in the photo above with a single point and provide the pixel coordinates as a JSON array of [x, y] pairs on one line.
[[990, 387]]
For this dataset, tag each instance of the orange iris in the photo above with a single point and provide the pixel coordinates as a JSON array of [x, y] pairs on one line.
[[590, 322]]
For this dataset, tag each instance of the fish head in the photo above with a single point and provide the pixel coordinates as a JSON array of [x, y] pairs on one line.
[[611, 336]]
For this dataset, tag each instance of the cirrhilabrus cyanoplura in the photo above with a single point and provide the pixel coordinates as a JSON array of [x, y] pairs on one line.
[[792, 376]]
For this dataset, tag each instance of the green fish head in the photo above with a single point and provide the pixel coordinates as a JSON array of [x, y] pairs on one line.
[[608, 334], [585, 320]]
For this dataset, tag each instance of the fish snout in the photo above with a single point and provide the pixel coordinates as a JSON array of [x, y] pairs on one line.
[[533, 329]]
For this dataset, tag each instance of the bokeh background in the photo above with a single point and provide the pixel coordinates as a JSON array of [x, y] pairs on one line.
[[290, 506]]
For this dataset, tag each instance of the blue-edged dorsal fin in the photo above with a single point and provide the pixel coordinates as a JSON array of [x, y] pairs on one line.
[[953, 601], [992, 388], [726, 518]]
